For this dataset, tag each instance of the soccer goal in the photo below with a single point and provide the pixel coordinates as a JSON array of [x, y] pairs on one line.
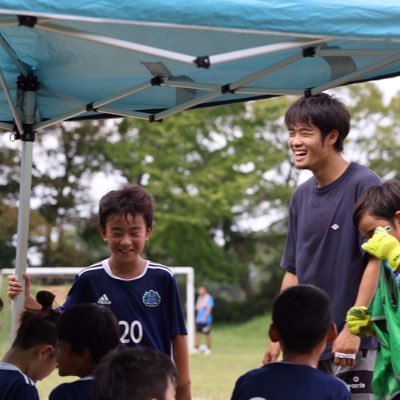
[[69, 272]]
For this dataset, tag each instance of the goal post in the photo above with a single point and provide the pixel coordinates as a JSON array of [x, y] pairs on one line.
[[68, 272]]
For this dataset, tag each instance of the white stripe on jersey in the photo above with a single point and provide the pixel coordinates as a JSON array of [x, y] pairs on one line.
[[154, 265], [98, 265], [11, 367]]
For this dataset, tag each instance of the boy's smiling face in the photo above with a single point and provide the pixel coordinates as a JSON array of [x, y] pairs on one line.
[[125, 236]]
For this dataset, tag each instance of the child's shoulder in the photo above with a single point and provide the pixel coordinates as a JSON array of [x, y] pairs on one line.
[[81, 388], [96, 267], [158, 268]]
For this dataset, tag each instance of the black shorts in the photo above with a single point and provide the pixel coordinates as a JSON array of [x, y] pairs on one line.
[[202, 327]]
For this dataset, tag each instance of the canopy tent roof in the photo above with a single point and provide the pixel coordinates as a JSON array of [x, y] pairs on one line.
[[151, 59]]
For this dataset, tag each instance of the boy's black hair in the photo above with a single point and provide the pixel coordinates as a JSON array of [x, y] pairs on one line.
[[325, 112], [89, 326], [381, 201], [134, 374], [38, 326], [302, 316], [129, 200]]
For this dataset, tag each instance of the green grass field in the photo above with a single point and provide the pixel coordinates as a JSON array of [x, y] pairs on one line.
[[236, 349]]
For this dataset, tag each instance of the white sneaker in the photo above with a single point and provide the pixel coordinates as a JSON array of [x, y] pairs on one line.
[[207, 352]]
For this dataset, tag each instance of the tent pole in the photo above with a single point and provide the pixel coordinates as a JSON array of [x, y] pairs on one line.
[[23, 229]]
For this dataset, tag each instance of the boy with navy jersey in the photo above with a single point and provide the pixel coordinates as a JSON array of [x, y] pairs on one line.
[[86, 332], [302, 323], [31, 356], [142, 294]]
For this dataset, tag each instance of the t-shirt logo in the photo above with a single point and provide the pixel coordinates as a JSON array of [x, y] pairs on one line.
[[104, 300], [151, 298]]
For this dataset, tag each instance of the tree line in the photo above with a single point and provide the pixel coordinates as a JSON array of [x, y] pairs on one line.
[[221, 177]]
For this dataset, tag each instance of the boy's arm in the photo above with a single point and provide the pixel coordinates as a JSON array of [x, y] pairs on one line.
[[274, 349], [346, 342], [181, 359], [15, 288]]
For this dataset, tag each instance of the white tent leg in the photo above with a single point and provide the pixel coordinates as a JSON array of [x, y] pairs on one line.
[[23, 229]]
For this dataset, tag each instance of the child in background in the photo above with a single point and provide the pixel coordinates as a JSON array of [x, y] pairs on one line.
[[302, 323], [135, 374], [32, 355], [86, 333], [142, 294], [377, 216], [204, 318]]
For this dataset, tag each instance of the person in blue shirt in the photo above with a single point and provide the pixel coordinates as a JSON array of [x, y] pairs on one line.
[[86, 333], [135, 374], [204, 317], [142, 294], [302, 323], [31, 357]]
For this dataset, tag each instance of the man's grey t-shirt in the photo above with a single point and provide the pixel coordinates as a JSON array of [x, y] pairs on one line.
[[323, 247]]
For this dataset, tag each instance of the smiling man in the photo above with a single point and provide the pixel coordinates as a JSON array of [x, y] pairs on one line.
[[323, 245]]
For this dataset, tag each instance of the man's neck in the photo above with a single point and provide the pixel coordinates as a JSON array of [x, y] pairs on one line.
[[331, 170]]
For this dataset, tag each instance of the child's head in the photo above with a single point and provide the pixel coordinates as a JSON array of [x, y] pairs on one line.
[[126, 220], [378, 206], [37, 337], [135, 374], [301, 319], [86, 333], [133, 200], [323, 111]]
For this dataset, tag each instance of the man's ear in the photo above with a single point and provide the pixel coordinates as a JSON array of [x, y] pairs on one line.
[[331, 334], [332, 137], [273, 333]]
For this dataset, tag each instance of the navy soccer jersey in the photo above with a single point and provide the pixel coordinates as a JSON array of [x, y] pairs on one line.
[[147, 307], [81, 389], [16, 385], [287, 381]]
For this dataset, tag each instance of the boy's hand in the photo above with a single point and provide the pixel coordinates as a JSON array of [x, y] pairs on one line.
[[15, 288], [359, 321], [384, 246]]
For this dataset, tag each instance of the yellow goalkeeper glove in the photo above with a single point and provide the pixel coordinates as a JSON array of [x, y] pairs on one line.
[[384, 246], [359, 321]]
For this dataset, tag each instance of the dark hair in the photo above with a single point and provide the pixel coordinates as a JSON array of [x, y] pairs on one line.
[[38, 326], [325, 112], [133, 374], [381, 201], [129, 200], [302, 316], [89, 326]]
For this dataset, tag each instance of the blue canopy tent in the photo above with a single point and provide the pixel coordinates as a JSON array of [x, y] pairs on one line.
[[71, 60]]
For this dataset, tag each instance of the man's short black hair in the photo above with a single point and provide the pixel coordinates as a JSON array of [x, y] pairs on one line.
[[324, 111]]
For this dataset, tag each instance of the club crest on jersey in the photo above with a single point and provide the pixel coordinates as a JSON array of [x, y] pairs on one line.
[[151, 298]]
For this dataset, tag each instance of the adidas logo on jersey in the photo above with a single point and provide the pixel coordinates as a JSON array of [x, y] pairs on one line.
[[103, 300]]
